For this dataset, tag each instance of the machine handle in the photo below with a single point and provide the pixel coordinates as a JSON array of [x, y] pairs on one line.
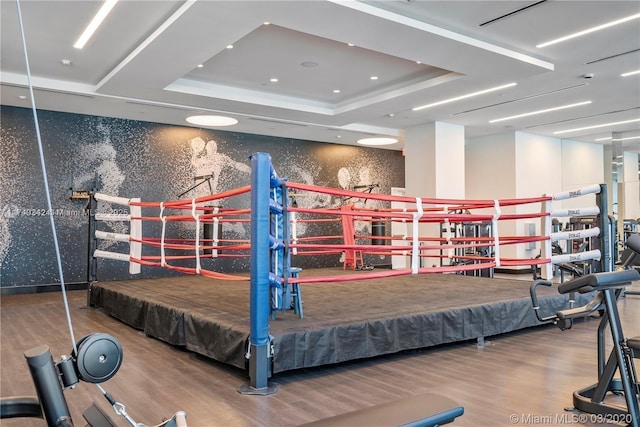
[[534, 299]]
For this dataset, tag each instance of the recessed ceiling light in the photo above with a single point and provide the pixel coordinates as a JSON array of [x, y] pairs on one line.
[[547, 110], [267, 23], [205, 120], [22, 96], [469, 95], [373, 78], [630, 73], [604, 139], [229, 46], [350, 44], [65, 62], [273, 80], [95, 23], [596, 126], [199, 66], [589, 30], [336, 91], [377, 141]]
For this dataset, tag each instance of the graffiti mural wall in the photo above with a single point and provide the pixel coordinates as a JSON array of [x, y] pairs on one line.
[[156, 163]]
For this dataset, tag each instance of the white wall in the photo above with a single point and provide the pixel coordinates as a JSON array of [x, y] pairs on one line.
[[582, 166], [538, 172], [450, 161], [490, 167], [538, 165], [491, 171], [524, 165]]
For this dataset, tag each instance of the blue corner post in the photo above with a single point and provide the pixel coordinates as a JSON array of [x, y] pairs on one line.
[[259, 351]]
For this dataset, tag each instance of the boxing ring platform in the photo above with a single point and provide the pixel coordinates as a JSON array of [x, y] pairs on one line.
[[342, 321]]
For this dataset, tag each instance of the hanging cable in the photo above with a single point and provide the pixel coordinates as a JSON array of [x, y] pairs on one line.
[[46, 182]]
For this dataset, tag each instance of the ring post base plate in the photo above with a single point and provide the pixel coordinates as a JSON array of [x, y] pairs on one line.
[[263, 391]]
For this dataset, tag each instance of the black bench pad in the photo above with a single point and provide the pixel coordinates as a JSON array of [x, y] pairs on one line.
[[599, 281], [425, 410]]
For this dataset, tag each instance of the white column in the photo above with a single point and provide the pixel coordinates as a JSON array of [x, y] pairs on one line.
[[435, 166]]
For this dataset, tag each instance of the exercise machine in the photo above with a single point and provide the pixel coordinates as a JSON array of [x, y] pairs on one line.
[[94, 359], [607, 287]]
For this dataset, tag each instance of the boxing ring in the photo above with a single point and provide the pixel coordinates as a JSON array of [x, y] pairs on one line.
[[253, 322]]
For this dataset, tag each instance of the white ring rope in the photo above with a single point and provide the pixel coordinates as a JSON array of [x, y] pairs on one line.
[[114, 217], [98, 253], [113, 200], [577, 257], [216, 236], [415, 249], [496, 235], [107, 235], [135, 229], [404, 224], [592, 189], [196, 217], [591, 210], [163, 261], [573, 235], [448, 233], [294, 232]]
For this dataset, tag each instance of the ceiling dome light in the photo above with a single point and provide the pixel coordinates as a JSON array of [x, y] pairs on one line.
[[212, 121], [377, 141]]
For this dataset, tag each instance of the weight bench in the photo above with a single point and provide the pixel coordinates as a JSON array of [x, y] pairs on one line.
[[425, 410]]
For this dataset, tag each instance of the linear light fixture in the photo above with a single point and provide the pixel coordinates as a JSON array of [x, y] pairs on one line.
[[589, 30], [625, 138], [596, 126], [630, 73], [95, 23], [618, 139], [547, 110], [469, 95]]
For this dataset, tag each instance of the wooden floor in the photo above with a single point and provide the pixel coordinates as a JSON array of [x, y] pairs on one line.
[[529, 375]]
